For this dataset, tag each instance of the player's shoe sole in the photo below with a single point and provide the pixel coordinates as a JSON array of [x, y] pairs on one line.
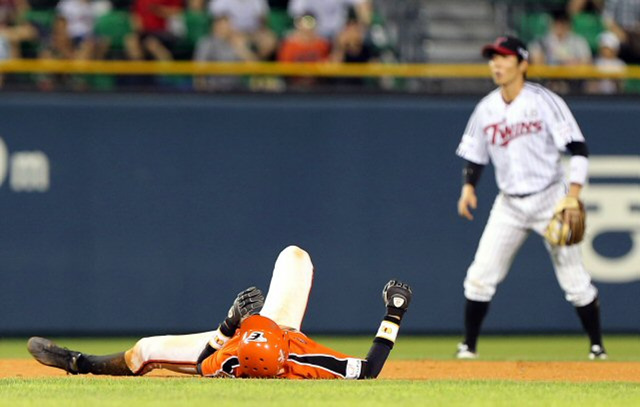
[[463, 352], [48, 353]]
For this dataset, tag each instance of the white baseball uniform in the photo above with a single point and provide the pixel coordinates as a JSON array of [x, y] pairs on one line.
[[286, 303], [524, 140]]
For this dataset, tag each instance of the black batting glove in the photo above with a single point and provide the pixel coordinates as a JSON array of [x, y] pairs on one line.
[[397, 297], [248, 302]]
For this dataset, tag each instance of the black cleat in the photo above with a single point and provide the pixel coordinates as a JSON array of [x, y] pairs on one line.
[[597, 352], [50, 354]]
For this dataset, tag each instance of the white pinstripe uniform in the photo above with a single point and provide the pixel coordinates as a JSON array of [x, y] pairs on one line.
[[524, 140]]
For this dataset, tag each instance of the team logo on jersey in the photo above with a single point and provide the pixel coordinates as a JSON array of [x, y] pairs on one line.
[[502, 134], [256, 336]]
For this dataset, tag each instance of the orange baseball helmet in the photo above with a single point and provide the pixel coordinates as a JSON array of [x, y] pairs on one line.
[[263, 348]]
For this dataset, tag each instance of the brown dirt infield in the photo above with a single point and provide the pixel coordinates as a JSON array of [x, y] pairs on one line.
[[588, 371]]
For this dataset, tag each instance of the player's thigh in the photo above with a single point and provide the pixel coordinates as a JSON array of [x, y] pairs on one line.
[[543, 205], [502, 238]]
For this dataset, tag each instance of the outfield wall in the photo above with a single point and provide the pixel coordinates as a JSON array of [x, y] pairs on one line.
[[126, 214]]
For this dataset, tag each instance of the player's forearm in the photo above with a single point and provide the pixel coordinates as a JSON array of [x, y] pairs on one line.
[[578, 167], [397, 296], [471, 173]]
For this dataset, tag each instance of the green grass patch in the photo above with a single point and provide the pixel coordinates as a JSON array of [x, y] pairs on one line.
[[87, 391]]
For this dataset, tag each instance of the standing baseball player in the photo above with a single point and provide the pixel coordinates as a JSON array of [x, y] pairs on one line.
[[523, 128], [246, 344]]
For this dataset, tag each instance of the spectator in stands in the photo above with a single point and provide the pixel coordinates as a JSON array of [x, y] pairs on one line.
[[622, 17], [80, 18], [352, 46], [57, 45], [607, 61], [249, 18], [585, 6], [223, 44], [26, 23], [111, 30], [152, 36], [332, 15], [304, 44], [8, 14], [560, 46], [197, 24]]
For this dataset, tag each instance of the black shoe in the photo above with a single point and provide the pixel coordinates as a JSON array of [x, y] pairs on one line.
[[50, 354], [597, 352]]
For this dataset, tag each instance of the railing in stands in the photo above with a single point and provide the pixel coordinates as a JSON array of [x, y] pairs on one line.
[[301, 69]]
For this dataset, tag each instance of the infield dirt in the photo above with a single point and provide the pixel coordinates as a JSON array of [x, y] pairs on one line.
[[596, 371]]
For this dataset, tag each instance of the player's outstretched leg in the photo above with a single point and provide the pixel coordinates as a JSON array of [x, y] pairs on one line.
[[48, 353]]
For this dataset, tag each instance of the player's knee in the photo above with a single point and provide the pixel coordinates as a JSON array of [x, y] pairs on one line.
[[295, 252], [475, 290], [144, 349], [582, 298]]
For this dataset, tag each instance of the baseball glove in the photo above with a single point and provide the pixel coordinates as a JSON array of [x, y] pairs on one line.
[[567, 225]]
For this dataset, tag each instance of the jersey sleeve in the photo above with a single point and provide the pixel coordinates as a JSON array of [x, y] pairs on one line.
[[473, 147], [309, 360], [223, 362], [560, 121]]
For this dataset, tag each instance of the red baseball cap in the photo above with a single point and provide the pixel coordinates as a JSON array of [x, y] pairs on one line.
[[506, 45]]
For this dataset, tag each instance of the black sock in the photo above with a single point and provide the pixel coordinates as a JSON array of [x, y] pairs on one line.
[[474, 314], [590, 318], [113, 365]]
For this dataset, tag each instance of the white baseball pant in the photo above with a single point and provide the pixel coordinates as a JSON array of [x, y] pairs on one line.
[[509, 224]]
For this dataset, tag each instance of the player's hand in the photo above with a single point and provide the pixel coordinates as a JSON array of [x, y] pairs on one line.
[[467, 199], [248, 302], [397, 297]]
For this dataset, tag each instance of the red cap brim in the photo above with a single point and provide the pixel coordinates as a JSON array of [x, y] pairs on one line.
[[489, 50]]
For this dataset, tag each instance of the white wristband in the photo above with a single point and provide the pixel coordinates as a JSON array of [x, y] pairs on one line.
[[218, 340], [578, 167], [388, 330]]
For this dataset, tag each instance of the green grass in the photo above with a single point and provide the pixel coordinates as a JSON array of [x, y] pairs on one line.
[[140, 391], [87, 391]]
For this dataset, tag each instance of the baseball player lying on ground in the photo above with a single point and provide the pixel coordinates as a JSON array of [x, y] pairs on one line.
[[247, 344]]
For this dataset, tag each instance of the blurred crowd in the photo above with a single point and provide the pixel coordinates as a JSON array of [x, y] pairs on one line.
[[605, 33], [200, 30]]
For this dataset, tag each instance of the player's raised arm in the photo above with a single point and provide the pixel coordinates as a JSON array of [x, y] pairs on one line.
[[248, 302], [397, 297]]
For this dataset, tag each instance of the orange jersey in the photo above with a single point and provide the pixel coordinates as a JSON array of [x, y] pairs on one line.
[[307, 359]]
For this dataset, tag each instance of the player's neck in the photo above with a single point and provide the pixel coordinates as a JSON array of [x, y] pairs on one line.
[[512, 89]]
